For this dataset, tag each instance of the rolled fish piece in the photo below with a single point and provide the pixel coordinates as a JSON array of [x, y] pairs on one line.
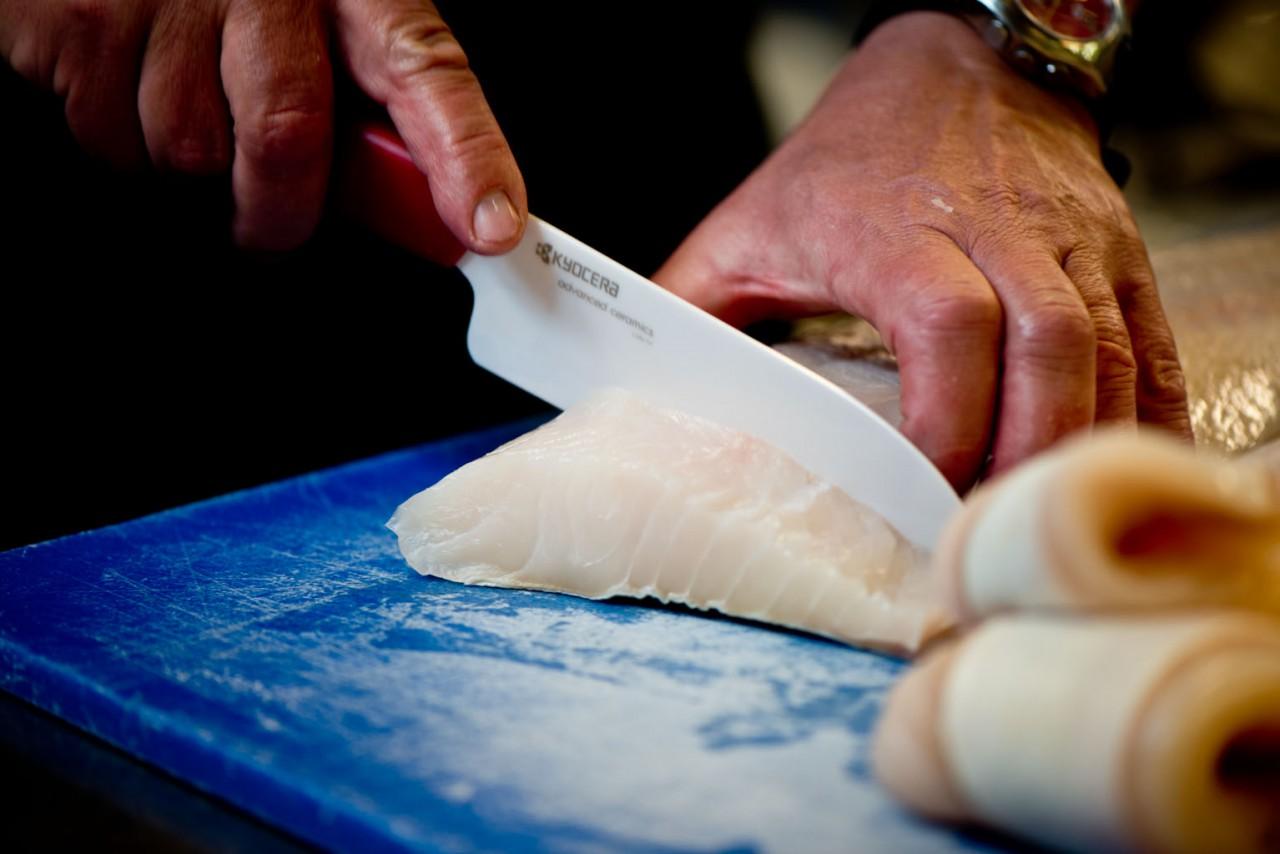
[[1120, 520], [618, 497], [1155, 733]]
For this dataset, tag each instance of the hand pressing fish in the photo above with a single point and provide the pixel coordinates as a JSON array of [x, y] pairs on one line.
[[1156, 733], [1118, 521], [617, 497]]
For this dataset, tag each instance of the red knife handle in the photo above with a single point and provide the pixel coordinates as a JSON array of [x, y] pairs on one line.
[[380, 187]]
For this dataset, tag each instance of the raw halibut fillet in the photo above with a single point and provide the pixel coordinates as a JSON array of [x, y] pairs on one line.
[[1156, 733], [617, 497], [1118, 521]]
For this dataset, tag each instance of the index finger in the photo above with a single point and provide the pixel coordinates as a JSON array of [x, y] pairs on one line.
[[403, 54], [942, 320], [1049, 386]]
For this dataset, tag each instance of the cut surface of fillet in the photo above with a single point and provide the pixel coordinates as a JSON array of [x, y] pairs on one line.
[[617, 497]]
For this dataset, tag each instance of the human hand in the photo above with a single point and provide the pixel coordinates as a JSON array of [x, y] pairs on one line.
[[965, 213], [200, 86]]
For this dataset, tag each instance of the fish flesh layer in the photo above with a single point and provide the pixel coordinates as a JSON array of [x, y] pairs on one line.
[[1120, 521], [617, 497], [1137, 732]]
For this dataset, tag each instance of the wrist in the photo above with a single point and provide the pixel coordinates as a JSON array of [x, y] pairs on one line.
[[1064, 45], [955, 53], [928, 29]]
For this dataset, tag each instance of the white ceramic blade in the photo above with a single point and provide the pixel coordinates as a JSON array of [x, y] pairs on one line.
[[560, 320]]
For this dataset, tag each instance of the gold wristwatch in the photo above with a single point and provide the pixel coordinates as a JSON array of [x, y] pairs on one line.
[[1069, 44]]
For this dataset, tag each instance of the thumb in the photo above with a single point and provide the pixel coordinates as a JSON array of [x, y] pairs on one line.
[[403, 55]]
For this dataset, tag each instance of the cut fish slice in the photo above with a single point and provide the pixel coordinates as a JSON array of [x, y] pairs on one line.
[[1155, 733], [1119, 521], [617, 497]]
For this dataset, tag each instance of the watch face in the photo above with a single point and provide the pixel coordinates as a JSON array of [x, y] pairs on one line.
[[1080, 20]]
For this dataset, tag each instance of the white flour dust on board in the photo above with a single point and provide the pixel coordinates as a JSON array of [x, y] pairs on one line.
[[644, 725]]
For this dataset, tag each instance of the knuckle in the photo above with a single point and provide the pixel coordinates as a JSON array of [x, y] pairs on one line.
[[422, 44], [960, 311], [1014, 241], [1162, 397], [1117, 366], [1135, 274], [1163, 379], [1130, 288], [281, 136], [1057, 331], [1085, 263], [474, 144]]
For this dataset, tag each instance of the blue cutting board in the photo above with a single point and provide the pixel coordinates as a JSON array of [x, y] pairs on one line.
[[272, 648]]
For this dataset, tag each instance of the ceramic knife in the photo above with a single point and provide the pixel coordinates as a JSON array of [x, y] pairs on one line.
[[560, 320]]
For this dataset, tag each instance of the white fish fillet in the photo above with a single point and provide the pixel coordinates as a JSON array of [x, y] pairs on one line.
[[617, 497], [1142, 732]]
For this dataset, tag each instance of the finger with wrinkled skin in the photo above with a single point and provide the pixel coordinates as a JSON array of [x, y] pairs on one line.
[[1048, 389], [403, 55], [1161, 387], [96, 73], [1116, 369], [940, 317], [279, 84], [180, 101]]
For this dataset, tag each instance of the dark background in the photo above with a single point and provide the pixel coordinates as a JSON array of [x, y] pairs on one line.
[[148, 364]]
